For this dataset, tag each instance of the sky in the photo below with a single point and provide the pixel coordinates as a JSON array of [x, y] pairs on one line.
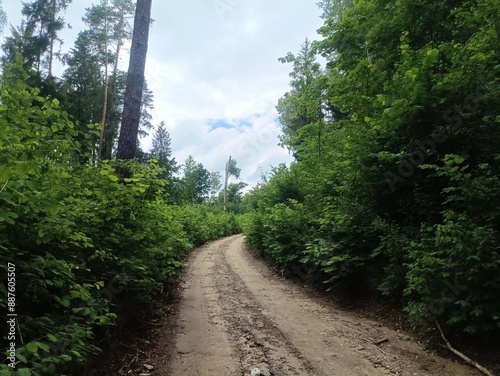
[[213, 68]]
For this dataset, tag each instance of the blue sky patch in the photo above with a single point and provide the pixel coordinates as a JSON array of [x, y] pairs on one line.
[[219, 123]]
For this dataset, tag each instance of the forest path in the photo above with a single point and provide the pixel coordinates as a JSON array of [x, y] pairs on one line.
[[236, 314]]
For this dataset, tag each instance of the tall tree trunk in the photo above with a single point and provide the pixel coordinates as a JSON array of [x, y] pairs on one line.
[[109, 137], [228, 165], [39, 59], [105, 102], [127, 142], [51, 57], [118, 45], [52, 37]]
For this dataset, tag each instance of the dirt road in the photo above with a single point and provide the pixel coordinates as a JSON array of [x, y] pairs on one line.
[[236, 314]]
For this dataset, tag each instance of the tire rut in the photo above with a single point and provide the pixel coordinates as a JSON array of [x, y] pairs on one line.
[[259, 343]]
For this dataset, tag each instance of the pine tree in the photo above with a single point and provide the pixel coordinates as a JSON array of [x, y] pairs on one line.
[[127, 142], [43, 24], [3, 18], [162, 150], [94, 95], [107, 22]]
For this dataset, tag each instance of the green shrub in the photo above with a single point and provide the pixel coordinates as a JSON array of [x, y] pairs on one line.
[[90, 249]]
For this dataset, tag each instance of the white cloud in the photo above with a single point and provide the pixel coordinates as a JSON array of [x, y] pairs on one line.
[[254, 146]]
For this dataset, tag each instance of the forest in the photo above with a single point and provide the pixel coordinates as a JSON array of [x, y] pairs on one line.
[[392, 119], [395, 192]]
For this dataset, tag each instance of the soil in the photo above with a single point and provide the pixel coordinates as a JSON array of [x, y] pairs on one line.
[[234, 314]]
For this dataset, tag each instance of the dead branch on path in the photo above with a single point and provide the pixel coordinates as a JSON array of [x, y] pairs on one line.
[[462, 356], [380, 341], [379, 349]]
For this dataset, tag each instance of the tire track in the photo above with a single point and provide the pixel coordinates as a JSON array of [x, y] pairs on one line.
[[259, 343]]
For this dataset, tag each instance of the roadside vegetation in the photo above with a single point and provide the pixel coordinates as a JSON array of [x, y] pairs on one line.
[[395, 190], [91, 248]]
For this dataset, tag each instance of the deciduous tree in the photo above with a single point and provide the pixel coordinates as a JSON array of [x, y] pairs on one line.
[[195, 182]]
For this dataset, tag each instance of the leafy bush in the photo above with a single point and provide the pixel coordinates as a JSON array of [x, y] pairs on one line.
[[395, 186], [203, 223], [89, 248]]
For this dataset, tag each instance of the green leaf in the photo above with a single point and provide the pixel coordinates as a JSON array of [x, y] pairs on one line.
[[43, 346], [21, 357], [32, 347], [5, 174], [51, 369], [23, 372], [458, 159], [66, 357], [52, 338], [8, 217], [53, 210]]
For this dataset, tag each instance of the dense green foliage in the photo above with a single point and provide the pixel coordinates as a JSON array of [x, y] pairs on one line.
[[395, 190], [90, 250]]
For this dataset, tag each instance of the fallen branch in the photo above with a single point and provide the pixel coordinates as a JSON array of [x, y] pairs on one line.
[[376, 343], [379, 349], [462, 356], [127, 366], [380, 341], [135, 359]]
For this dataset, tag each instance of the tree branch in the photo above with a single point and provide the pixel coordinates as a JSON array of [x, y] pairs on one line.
[[462, 356]]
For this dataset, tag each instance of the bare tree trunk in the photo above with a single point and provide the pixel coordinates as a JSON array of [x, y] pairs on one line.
[[228, 165], [51, 57], [109, 138], [127, 142], [118, 45], [39, 60], [105, 104], [51, 50]]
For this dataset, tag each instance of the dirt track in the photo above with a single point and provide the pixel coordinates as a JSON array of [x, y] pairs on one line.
[[236, 315]]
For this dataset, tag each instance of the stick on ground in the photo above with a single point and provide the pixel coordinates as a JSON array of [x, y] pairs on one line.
[[462, 356]]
